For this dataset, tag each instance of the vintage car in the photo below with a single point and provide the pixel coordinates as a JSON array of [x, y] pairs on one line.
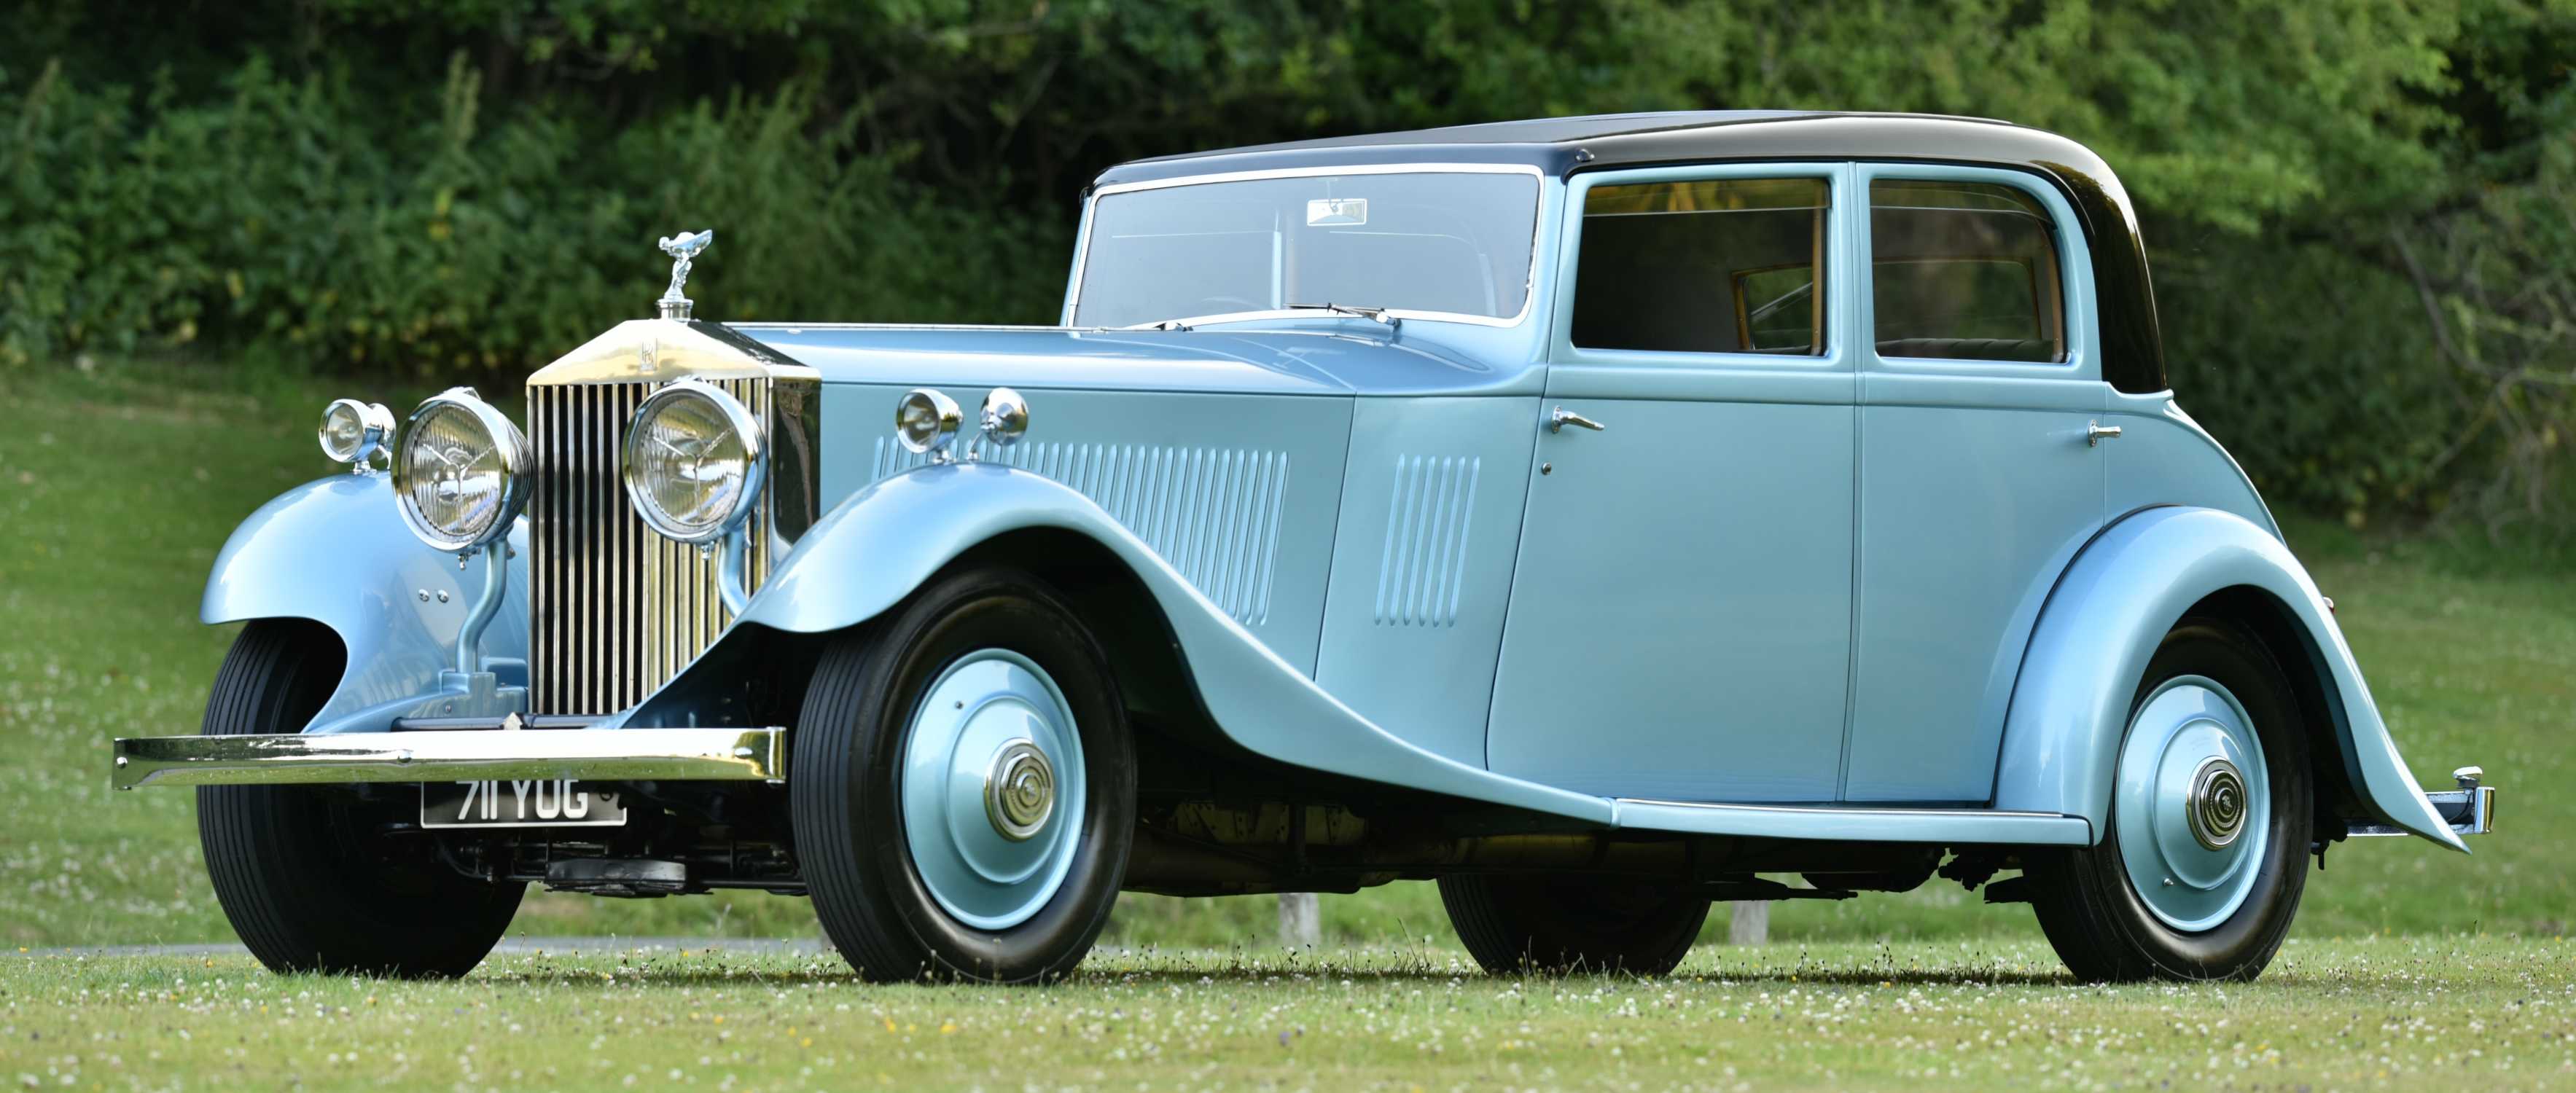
[[1598, 516]]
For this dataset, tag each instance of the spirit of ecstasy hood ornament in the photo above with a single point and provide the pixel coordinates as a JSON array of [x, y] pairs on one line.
[[681, 248]]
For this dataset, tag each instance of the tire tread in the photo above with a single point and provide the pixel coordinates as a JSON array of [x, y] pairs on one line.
[[2081, 896], [277, 867], [870, 904]]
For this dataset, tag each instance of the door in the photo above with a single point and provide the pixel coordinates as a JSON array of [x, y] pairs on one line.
[[1980, 477], [1680, 617]]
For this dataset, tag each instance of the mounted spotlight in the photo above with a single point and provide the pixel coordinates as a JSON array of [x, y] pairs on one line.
[[1005, 417], [355, 433], [925, 421]]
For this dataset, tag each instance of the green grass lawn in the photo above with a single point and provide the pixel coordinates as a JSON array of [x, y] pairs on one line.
[[118, 485], [2381, 1013]]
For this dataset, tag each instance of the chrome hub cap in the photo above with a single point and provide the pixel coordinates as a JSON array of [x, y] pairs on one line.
[[992, 789], [2192, 808], [1020, 791], [2216, 805]]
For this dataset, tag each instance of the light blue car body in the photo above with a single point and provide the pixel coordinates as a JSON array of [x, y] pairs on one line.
[[1837, 597]]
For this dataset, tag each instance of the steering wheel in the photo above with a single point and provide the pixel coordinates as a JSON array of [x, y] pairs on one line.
[[1234, 303]]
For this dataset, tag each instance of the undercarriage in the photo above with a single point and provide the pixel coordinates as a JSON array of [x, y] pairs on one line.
[[684, 838]]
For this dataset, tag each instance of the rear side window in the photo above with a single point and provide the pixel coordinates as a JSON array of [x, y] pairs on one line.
[[1964, 271], [1715, 266]]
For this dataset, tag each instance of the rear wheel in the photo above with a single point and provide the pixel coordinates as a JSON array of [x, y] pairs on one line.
[[2201, 869], [1551, 924], [307, 874], [963, 785]]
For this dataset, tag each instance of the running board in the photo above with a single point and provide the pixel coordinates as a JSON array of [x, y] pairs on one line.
[[1846, 823], [599, 755]]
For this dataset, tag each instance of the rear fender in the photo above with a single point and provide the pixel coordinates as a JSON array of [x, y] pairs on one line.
[[887, 539], [335, 551], [2103, 622]]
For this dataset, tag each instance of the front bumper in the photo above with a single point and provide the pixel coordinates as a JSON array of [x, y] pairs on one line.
[[2470, 809], [734, 755]]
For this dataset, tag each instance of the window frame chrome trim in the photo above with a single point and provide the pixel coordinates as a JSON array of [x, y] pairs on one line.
[[1837, 360], [2080, 318]]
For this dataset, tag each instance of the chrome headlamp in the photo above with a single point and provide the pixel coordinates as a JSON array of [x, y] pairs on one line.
[[355, 432], [462, 471], [925, 421], [693, 461]]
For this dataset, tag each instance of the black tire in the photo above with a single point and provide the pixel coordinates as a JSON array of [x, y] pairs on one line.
[[844, 784], [2088, 907], [300, 870], [1517, 924]]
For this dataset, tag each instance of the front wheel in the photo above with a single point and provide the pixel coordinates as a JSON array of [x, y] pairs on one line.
[[2205, 857], [964, 786], [310, 876]]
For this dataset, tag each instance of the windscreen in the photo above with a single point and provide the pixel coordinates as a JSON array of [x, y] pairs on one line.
[[1443, 242]]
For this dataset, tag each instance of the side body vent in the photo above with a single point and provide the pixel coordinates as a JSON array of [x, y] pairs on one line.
[[1422, 566], [1212, 512]]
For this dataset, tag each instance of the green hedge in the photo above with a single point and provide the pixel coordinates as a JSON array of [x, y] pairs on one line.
[[284, 220]]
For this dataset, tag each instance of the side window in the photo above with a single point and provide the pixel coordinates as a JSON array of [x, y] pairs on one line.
[[1716, 266], [1964, 270]]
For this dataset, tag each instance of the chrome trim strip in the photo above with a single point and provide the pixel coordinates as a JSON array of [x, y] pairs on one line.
[[732, 755], [1529, 297], [1189, 322], [1925, 825], [1318, 172], [1852, 810], [798, 328]]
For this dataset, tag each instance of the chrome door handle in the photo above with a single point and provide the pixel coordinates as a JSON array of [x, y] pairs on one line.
[[2095, 433], [1562, 417]]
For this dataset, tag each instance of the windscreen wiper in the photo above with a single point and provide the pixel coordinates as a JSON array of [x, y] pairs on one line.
[[1373, 314]]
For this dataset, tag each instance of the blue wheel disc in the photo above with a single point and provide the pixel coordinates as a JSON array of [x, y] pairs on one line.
[[993, 789], [2192, 809]]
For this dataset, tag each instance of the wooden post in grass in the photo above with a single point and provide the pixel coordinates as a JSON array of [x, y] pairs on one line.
[[1749, 922], [1301, 923]]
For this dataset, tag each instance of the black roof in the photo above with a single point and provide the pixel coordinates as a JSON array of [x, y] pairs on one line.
[[1524, 131], [2132, 347]]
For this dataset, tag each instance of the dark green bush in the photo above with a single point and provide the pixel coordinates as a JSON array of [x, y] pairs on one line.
[[2314, 369], [285, 220]]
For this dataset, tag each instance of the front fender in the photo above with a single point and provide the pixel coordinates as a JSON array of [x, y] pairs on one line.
[[335, 551], [884, 541], [2100, 626]]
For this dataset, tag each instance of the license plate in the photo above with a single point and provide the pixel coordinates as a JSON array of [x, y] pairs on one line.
[[542, 802]]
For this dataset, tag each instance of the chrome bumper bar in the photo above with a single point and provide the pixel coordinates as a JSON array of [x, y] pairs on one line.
[[2470, 809], [736, 755]]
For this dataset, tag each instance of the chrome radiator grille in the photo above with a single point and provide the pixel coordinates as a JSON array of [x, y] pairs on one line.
[[618, 609]]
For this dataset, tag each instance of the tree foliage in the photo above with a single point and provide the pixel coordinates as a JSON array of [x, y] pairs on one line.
[[2359, 210]]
